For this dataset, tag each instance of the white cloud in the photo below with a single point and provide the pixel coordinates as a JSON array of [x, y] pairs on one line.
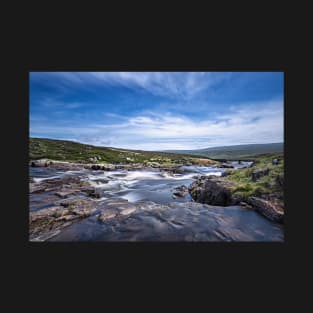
[[247, 123]]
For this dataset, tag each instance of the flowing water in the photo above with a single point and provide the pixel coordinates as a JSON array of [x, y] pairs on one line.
[[159, 215]]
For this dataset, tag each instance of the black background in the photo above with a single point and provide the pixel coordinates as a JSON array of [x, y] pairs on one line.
[[251, 275]]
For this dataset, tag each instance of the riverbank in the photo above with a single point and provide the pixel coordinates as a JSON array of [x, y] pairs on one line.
[[260, 187]]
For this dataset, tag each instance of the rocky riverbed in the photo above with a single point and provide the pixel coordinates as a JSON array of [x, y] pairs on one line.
[[73, 202]]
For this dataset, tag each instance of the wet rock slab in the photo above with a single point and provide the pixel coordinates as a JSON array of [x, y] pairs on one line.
[[188, 221], [116, 207], [46, 222]]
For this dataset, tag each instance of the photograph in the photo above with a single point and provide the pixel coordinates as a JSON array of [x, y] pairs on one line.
[[153, 156]]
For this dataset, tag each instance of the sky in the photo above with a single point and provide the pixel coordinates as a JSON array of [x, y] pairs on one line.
[[158, 110]]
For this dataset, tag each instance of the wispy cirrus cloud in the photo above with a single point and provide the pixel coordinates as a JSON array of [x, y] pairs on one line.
[[182, 85]]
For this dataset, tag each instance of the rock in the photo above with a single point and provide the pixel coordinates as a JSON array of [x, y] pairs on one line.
[[245, 205], [101, 180], [83, 212], [93, 192], [49, 212], [65, 194], [180, 194], [182, 188], [112, 203], [181, 191], [67, 217], [45, 236], [267, 208], [226, 173], [107, 214], [39, 163], [77, 203], [153, 164], [92, 159], [115, 207], [34, 188], [275, 161], [116, 203], [260, 173], [226, 165], [128, 210], [280, 180], [45, 221], [213, 191]]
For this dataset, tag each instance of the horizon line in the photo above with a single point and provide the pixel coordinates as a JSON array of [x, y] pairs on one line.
[[76, 141]]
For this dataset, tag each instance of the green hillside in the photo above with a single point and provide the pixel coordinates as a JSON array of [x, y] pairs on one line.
[[63, 150]]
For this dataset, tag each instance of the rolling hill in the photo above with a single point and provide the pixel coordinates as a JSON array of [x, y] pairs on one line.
[[235, 152]]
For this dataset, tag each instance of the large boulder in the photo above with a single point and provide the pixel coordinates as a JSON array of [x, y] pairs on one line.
[[266, 208], [214, 191]]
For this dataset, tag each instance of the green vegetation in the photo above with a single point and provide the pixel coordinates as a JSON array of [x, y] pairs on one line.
[[63, 150], [268, 184]]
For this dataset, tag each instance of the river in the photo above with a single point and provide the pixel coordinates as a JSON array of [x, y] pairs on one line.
[[162, 217]]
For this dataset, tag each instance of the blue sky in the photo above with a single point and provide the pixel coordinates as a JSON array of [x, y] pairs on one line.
[[158, 110]]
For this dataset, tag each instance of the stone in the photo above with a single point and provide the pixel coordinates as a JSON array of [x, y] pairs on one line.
[[280, 180], [266, 208], [84, 212], [245, 205], [107, 214], [36, 215], [64, 194], [227, 172], [67, 217], [181, 191], [260, 173], [93, 192], [275, 161], [34, 188], [45, 236], [128, 210], [153, 164], [226, 165], [180, 194]]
